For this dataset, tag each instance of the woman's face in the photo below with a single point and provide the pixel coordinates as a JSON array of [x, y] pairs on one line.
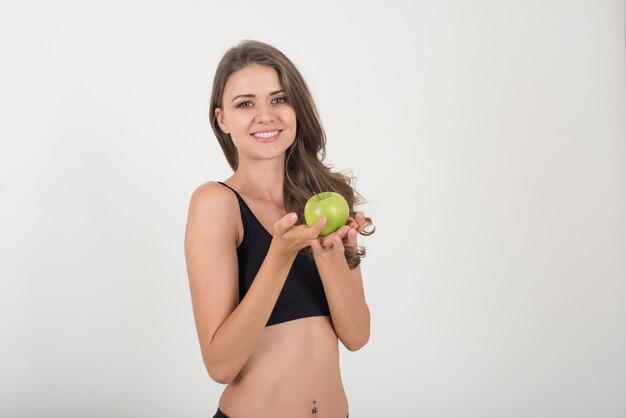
[[254, 102]]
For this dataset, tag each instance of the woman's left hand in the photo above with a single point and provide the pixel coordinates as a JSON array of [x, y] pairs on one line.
[[332, 246]]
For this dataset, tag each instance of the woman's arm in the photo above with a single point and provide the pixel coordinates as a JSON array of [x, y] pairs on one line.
[[229, 330], [344, 292]]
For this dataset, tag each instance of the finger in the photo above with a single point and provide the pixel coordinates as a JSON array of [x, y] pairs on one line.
[[360, 220], [283, 224], [351, 239], [319, 225], [337, 244], [341, 233], [316, 247], [325, 242]]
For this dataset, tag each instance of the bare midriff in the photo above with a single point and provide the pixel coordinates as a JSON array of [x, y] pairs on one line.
[[293, 372]]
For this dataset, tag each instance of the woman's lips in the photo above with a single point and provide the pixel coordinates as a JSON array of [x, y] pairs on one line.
[[270, 139]]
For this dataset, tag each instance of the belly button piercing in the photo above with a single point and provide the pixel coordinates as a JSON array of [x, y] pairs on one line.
[[314, 410]]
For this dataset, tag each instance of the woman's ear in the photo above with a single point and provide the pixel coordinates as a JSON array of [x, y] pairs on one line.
[[219, 115]]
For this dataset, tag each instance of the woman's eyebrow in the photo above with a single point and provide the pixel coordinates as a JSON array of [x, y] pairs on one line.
[[252, 95]]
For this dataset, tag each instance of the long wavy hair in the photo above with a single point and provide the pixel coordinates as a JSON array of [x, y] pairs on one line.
[[305, 173]]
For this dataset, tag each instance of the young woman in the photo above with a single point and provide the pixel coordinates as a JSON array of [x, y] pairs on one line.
[[271, 296]]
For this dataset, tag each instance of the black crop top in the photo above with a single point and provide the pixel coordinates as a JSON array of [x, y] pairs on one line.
[[302, 294]]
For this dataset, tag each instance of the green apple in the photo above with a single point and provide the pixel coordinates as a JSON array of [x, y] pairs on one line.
[[330, 205]]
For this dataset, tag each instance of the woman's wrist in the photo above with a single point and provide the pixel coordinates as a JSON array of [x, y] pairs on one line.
[[281, 251]]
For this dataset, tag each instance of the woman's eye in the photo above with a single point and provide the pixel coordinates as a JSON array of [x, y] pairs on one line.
[[282, 99]]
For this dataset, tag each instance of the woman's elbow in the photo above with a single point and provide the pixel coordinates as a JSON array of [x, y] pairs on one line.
[[219, 375], [217, 372], [358, 345], [220, 379]]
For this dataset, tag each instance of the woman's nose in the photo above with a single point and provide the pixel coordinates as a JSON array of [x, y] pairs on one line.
[[264, 114]]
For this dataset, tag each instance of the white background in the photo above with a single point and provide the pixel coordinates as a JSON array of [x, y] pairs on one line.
[[489, 138]]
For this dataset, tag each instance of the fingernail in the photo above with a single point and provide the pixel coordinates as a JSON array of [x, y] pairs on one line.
[[293, 216], [324, 219]]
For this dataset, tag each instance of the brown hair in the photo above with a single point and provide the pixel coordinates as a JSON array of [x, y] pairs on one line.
[[305, 172]]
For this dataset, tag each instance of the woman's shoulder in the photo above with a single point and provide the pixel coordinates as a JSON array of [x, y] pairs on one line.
[[214, 206], [214, 196], [211, 188]]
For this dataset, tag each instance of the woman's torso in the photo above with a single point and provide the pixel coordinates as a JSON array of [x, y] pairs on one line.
[[294, 369]]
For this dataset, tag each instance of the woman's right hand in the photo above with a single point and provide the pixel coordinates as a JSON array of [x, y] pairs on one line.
[[290, 239]]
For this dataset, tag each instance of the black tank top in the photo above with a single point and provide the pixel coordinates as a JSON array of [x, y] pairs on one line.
[[303, 292]]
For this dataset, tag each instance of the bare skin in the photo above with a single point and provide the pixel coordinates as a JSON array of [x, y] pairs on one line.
[[290, 369], [293, 372], [294, 369]]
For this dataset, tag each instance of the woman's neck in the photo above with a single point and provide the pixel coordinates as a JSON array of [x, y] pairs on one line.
[[261, 179]]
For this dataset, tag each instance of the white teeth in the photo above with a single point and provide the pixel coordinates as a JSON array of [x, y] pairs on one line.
[[266, 134]]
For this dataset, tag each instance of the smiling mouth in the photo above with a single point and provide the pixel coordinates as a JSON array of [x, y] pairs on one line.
[[267, 136]]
